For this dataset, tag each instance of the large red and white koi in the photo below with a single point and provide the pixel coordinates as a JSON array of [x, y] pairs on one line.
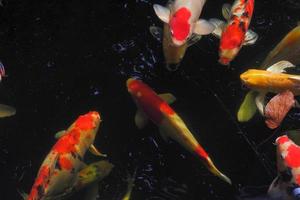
[[287, 184], [59, 170], [235, 33], [183, 19], [155, 107]]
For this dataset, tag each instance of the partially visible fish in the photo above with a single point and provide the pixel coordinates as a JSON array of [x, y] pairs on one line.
[[6, 111], [2, 69], [286, 185]]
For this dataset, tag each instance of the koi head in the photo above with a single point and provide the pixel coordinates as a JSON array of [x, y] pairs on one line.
[[80, 135], [230, 43], [180, 26], [253, 78], [134, 87]]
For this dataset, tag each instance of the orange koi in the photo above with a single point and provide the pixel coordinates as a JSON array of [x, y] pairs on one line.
[[156, 108]]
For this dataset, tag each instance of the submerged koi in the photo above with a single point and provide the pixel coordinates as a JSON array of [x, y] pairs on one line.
[[59, 170], [183, 19], [235, 34], [287, 184], [155, 107]]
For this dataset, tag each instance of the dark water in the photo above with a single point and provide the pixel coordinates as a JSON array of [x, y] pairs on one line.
[[65, 58]]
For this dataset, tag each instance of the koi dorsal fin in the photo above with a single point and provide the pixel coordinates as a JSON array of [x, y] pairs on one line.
[[280, 66], [168, 97], [193, 39], [226, 11], [140, 119], [163, 13]]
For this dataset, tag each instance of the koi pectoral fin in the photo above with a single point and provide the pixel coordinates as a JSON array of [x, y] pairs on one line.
[[219, 26], [203, 27], [168, 97], [250, 38], [260, 102], [226, 11], [193, 39], [156, 32], [248, 108], [140, 119], [96, 152], [163, 13]]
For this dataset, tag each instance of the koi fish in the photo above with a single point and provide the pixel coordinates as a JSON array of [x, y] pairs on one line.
[[287, 184], [235, 33], [183, 19], [58, 172], [274, 81], [155, 107], [287, 49]]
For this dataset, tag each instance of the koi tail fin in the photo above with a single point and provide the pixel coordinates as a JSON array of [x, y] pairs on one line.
[[210, 165]]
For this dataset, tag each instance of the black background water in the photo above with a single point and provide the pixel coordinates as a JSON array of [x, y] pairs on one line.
[[65, 58]]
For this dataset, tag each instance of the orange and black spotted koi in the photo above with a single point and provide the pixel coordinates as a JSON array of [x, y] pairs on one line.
[[64, 161], [234, 33]]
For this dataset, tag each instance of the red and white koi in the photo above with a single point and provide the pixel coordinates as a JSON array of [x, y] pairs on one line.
[[183, 19], [60, 167], [235, 34], [286, 184], [155, 107]]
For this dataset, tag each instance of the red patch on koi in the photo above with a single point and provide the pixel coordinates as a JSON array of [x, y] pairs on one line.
[[201, 152], [293, 156], [179, 24], [165, 108], [298, 180], [232, 37], [67, 143], [65, 163], [282, 140], [85, 122], [40, 181]]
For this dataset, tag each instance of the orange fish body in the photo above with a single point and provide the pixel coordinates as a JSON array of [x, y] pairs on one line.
[[233, 35], [57, 172], [170, 124], [267, 81]]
